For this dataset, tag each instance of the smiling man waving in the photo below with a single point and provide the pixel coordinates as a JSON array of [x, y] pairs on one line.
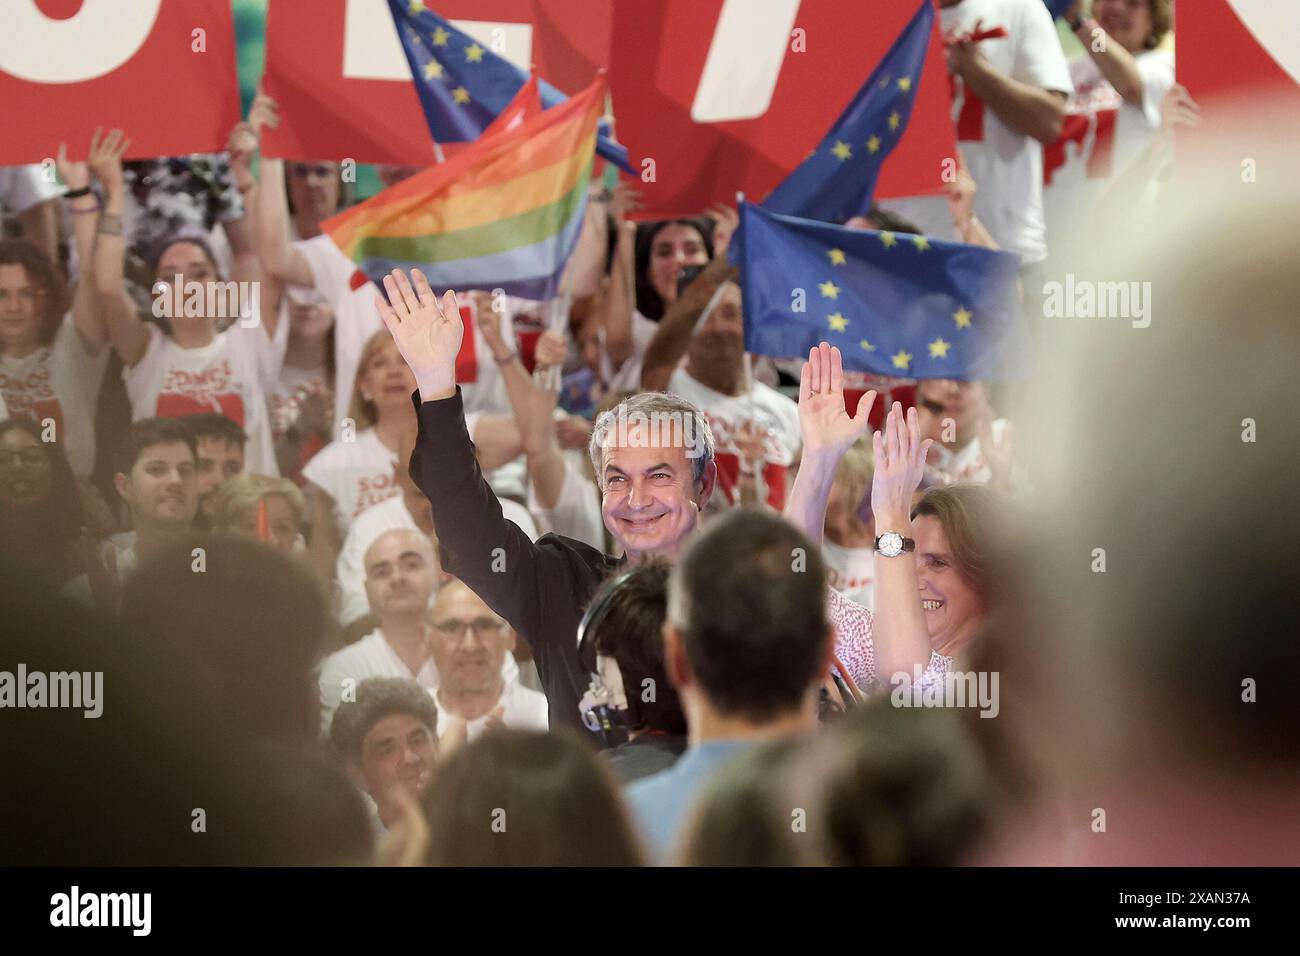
[[653, 456]]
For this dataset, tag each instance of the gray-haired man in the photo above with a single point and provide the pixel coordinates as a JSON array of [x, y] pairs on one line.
[[654, 463]]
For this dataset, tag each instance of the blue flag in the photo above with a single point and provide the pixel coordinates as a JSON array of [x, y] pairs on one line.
[[838, 180], [895, 304], [463, 85], [1058, 7]]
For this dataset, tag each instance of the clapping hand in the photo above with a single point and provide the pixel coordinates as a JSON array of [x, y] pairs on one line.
[[427, 335], [899, 465], [105, 159]]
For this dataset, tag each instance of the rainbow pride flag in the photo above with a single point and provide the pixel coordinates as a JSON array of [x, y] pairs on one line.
[[504, 212]]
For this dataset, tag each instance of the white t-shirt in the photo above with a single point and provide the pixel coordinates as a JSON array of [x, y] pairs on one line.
[[350, 570], [577, 510], [627, 378], [22, 187], [851, 571], [966, 465], [355, 474], [777, 415], [373, 656], [1103, 136], [1007, 165], [352, 297], [59, 381], [524, 709], [231, 375]]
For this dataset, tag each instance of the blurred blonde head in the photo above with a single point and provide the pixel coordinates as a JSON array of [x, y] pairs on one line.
[[235, 504]]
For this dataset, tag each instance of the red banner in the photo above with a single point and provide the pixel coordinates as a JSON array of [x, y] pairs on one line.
[[162, 71], [345, 90], [1238, 55]]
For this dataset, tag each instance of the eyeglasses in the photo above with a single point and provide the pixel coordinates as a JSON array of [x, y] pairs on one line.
[[483, 627], [27, 457]]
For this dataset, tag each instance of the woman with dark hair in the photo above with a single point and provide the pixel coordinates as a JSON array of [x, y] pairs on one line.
[[221, 352], [52, 354], [40, 508], [521, 798]]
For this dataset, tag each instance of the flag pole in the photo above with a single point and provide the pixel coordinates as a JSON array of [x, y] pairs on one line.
[[760, 485]]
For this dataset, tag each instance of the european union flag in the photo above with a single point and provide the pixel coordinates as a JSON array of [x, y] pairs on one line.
[[838, 180], [463, 85], [1058, 7], [895, 304]]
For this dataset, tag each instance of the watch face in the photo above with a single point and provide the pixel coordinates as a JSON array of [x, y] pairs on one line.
[[890, 544]]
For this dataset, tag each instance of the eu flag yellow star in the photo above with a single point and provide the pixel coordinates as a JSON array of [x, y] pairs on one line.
[[962, 318], [921, 243], [902, 360], [939, 348], [841, 151], [837, 322], [460, 94], [888, 239], [440, 37], [433, 70], [894, 120], [474, 53], [873, 144], [837, 256], [905, 83], [866, 346], [415, 7], [829, 290]]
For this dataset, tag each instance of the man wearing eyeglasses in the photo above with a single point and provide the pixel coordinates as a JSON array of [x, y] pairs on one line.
[[470, 644]]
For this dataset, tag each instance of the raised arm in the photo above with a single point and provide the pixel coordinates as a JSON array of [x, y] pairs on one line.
[[1116, 64], [126, 331], [827, 432], [270, 208], [534, 407], [902, 638], [85, 219], [1027, 109], [674, 336], [517, 578]]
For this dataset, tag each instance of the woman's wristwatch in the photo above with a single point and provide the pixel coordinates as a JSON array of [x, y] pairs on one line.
[[891, 544]]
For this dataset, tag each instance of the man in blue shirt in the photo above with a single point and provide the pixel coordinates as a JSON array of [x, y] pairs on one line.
[[746, 645]]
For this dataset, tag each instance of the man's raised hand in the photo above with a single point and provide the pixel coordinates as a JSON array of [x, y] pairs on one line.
[[825, 424], [427, 335]]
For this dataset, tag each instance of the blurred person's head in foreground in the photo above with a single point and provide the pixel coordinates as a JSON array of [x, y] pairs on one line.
[[653, 459], [887, 786], [521, 798], [387, 739], [40, 508], [236, 504], [219, 454], [1156, 634], [155, 476], [746, 642], [130, 757], [629, 631], [252, 620]]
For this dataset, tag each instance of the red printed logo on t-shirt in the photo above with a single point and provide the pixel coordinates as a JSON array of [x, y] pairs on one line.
[[33, 395], [210, 390], [373, 490]]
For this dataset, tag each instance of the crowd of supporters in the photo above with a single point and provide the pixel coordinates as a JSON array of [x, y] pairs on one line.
[[412, 578]]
